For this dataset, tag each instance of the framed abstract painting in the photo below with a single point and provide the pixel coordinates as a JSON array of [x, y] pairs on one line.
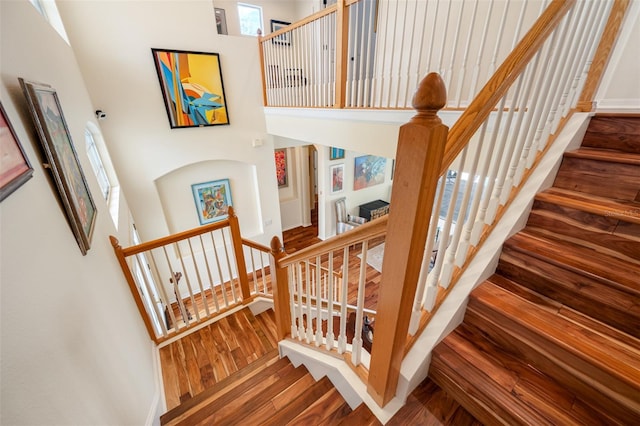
[[192, 87], [62, 160], [15, 169], [212, 199], [368, 171], [336, 153], [281, 168], [337, 178]]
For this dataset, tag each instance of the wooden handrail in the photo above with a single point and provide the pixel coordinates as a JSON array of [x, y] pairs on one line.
[[366, 231], [314, 17], [498, 85], [255, 245], [236, 241], [174, 238], [602, 55]]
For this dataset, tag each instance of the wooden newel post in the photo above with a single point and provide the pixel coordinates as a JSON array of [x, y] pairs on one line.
[[280, 286], [241, 266], [132, 286], [421, 144]]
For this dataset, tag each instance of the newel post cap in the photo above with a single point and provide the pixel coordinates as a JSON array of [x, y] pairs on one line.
[[431, 95]]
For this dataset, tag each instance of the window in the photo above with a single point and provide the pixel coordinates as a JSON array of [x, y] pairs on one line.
[[97, 165], [250, 19], [49, 10]]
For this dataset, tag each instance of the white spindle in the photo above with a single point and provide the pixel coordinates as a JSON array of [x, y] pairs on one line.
[[330, 340], [454, 46], [473, 88], [214, 296], [398, 75], [230, 268], [220, 274], [318, 301], [496, 48], [203, 296], [443, 45], [356, 344], [187, 281], [342, 337], [292, 300], [408, 86], [465, 56], [176, 290], [141, 264], [300, 299], [162, 289], [308, 286]]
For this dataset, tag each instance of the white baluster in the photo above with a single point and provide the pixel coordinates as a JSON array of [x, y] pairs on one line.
[[356, 344], [342, 337], [205, 302], [214, 296], [330, 341]]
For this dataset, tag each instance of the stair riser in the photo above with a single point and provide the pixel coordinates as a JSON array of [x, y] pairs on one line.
[[594, 231], [604, 303], [617, 133], [605, 179], [573, 373]]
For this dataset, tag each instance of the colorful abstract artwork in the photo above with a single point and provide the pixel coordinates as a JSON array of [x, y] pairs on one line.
[[62, 160], [192, 87], [336, 153], [337, 178], [281, 168], [14, 164], [369, 171], [213, 200]]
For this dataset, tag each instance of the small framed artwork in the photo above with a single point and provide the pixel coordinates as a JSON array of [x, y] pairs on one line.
[[15, 168], [192, 88], [212, 199], [368, 171], [337, 173], [284, 38], [62, 160], [281, 168], [221, 21], [336, 153]]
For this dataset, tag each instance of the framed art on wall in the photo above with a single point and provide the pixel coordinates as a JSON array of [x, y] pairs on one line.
[[368, 171], [15, 168], [221, 21], [337, 175], [212, 199], [284, 38], [192, 87], [63, 163], [336, 153], [281, 167]]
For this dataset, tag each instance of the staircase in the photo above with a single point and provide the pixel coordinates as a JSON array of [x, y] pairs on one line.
[[553, 336]]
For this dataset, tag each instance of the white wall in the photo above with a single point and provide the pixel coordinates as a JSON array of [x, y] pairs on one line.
[[280, 10], [118, 68], [74, 349]]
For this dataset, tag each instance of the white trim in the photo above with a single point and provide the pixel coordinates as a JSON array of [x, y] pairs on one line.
[[158, 404], [622, 106]]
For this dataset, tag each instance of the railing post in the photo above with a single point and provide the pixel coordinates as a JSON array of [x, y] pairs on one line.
[[132, 286], [342, 52], [280, 287], [602, 55], [241, 266], [419, 156], [265, 101]]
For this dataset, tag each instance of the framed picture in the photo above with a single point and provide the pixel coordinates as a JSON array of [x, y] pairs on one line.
[[63, 163], [221, 21], [15, 168], [337, 173], [284, 38], [213, 200], [368, 171], [336, 153], [281, 168], [192, 87]]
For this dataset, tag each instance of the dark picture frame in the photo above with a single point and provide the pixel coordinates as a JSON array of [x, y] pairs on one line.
[[212, 199], [285, 38], [192, 87], [62, 159], [15, 168]]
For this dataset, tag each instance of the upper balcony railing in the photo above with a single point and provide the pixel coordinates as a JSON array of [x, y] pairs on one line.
[[373, 53]]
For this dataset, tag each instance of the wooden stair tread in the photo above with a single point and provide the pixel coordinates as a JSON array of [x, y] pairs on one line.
[[605, 155], [614, 271], [361, 416], [565, 311], [303, 400], [225, 385], [620, 209], [525, 389], [602, 358]]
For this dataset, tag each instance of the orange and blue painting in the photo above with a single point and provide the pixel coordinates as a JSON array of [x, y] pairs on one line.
[[192, 87]]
